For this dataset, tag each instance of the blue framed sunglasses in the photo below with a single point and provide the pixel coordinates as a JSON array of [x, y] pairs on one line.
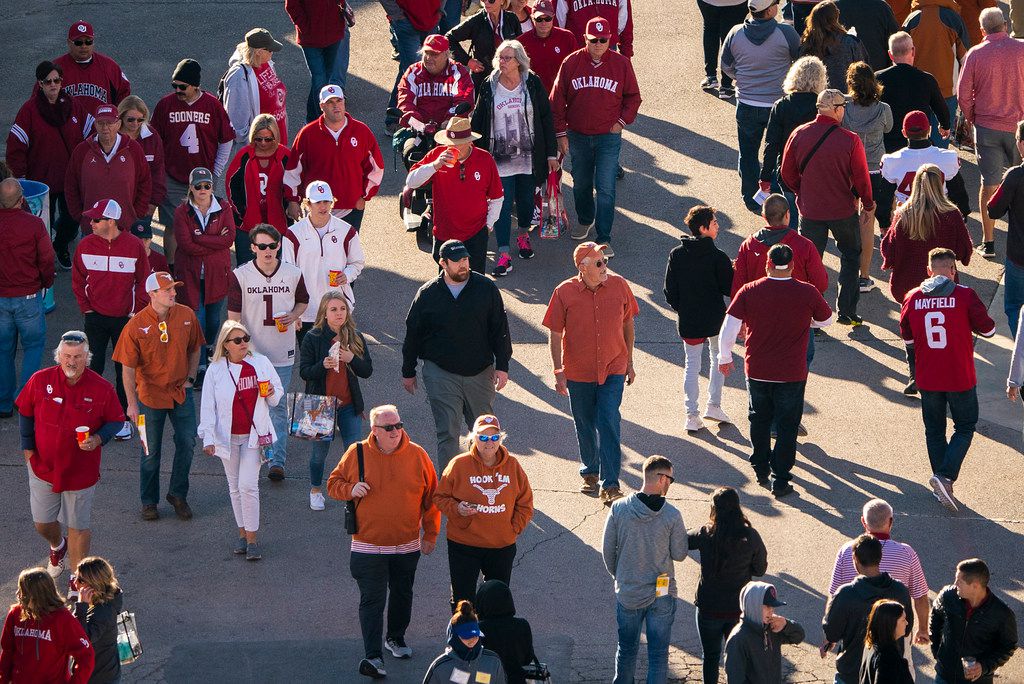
[[489, 438]]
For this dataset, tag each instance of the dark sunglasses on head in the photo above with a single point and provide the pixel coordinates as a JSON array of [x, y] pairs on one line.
[[73, 337], [52, 81], [602, 41], [542, 20], [203, 186], [180, 86], [239, 340], [264, 140], [82, 41], [134, 119], [489, 438], [264, 245], [391, 428]]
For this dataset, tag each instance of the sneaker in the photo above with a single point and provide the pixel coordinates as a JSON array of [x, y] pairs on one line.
[[610, 494], [607, 251], [589, 486], [525, 249], [276, 473], [693, 422], [125, 434], [852, 321], [373, 668], [579, 231], [620, 173], [181, 508], [397, 647], [316, 501], [726, 93], [252, 552], [780, 491], [801, 431], [866, 284], [240, 547], [149, 512], [911, 388], [986, 249], [73, 594], [764, 482], [942, 489], [64, 260], [708, 84], [715, 413], [58, 559], [503, 267]]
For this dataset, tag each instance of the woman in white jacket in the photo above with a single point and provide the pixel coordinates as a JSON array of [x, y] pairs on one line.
[[234, 425]]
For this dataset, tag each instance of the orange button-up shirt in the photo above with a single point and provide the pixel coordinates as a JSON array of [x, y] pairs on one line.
[[591, 324]]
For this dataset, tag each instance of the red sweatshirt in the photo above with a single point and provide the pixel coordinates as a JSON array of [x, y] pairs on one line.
[[28, 253], [98, 81], [753, 255], [429, 98], [318, 23], [824, 191], [547, 54], [125, 178], [908, 259], [352, 164], [38, 650], [153, 148], [590, 97], [106, 274], [203, 253], [574, 15], [40, 152]]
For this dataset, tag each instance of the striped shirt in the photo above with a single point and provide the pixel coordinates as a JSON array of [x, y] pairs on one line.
[[899, 560], [364, 547]]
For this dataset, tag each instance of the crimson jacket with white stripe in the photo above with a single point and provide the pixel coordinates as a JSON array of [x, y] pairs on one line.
[[108, 275], [125, 177]]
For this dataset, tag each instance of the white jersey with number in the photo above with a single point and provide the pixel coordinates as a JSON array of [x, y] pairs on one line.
[[900, 167], [259, 297]]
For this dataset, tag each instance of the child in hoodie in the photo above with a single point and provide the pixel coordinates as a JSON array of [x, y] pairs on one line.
[[753, 653], [465, 659], [697, 281], [504, 633]]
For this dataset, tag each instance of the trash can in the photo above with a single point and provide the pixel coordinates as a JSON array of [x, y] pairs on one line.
[[37, 196]]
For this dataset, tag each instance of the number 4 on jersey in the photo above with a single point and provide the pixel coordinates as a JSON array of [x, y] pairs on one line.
[[190, 140]]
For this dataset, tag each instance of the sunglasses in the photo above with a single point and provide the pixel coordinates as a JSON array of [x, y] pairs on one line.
[[600, 262], [489, 438], [462, 172], [263, 140], [80, 42], [97, 220], [239, 340], [671, 480], [602, 41], [264, 245], [180, 86], [52, 81], [73, 337], [203, 186], [391, 428], [162, 327], [134, 119], [542, 20]]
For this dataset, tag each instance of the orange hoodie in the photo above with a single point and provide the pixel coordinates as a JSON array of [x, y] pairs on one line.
[[938, 32], [500, 492], [400, 499]]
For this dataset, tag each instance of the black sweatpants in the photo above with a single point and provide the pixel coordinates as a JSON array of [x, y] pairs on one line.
[[466, 563]]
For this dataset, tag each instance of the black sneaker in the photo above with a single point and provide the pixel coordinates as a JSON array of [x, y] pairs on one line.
[[708, 84], [865, 284], [852, 321], [726, 93], [910, 389], [64, 260], [782, 490], [620, 173], [276, 473], [986, 249], [373, 668]]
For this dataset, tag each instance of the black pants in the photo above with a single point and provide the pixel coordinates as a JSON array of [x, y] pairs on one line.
[[846, 232], [718, 21], [64, 226], [102, 331], [713, 633], [377, 575], [355, 218], [303, 329], [476, 246], [465, 563], [783, 403], [883, 192]]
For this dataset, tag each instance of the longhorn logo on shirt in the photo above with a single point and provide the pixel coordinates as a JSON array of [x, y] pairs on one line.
[[145, 331], [491, 494], [355, 143]]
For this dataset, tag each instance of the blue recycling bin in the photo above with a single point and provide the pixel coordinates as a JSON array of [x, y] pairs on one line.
[[37, 197]]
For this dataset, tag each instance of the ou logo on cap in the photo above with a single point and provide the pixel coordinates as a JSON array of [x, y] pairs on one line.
[[599, 26], [81, 27], [320, 188]]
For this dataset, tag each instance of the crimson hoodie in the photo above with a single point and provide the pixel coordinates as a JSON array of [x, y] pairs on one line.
[[40, 152], [753, 256], [107, 274], [318, 23], [38, 650], [547, 54], [424, 15], [590, 97], [98, 81], [125, 178], [574, 15], [28, 253], [433, 98]]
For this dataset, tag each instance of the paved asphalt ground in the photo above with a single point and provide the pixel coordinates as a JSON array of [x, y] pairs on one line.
[[205, 615]]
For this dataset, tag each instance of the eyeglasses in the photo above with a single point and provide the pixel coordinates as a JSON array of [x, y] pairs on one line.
[[671, 480], [239, 340], [391, 428], [600, 262], [263, 140], [503, 58], [542, 20], [180, 86], [264, 245], [489, 438], [602, 41], [162, 327], [837, 106], [82, 41], [134, 119], [203, 186], [52, 81], [77, 338]]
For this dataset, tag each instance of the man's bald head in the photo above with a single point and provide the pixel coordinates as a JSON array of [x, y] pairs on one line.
[[10, 193]]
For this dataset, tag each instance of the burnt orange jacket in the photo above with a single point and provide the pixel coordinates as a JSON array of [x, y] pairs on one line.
[[939, 32]]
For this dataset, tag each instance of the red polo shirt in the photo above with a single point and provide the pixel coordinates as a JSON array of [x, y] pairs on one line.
[[59, 408]]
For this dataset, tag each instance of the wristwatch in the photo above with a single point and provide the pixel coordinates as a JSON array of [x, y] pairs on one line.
[[191, 380]]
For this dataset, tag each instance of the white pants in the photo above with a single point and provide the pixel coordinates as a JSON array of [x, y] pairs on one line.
[[243, 471], [691, 389]]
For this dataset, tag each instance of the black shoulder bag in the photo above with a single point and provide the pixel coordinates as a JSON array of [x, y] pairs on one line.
[[807, 159], [351, 526]]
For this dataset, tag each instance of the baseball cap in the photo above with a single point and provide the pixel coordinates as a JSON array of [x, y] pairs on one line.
[[543, 8], [436, 43], [453, 250], [104, 209], [486, 421], [200, 175], [142, 229], [105, 112], [916, 122], [781, 256], [830, 97], [161, 280], [319, 191], [262, 38], [467, 630], [771, 598], [598, 27], [585, 249], [79, 29], [331, 91], [760, 5]]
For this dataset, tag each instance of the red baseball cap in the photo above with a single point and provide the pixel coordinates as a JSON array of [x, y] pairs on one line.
[[79, 29], [543, 8], [598, 27], [916, 122], [586, 249], [104, 209], [106, 112], [436, 43]]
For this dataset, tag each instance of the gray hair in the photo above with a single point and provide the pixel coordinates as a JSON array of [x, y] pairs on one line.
[[518, 51], [807, 75], [10, 193], [72, 343], [383, 408], [992, 20], [877, 514], [901, 43], [264, 122]]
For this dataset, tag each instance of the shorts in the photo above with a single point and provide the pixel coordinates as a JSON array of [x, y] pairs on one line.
[[997, 151], [75, 507]]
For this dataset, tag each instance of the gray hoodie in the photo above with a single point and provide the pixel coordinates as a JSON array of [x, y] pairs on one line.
[[871, 123], [757, 55], [639, 545], [753, 653]]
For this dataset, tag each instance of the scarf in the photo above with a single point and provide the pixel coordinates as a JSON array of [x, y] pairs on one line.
[[56, 114]]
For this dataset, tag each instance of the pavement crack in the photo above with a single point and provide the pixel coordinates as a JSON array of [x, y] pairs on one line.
[[564, 532]]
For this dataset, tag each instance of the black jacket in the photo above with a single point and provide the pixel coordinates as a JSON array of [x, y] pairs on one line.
[[697, 278], [539, 114], [875, 22], [787, 113], [1009, 197], [504, 633], [725, 571], [885, 665], [477, 30], [100, 625], [907, 88], [846, 617], [990, 637], [463, 336], [316, 345]]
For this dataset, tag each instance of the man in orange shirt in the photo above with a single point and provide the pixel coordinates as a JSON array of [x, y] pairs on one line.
[[590, 319], [395, 500]]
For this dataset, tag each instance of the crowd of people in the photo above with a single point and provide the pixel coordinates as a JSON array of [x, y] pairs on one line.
[[845, 112]]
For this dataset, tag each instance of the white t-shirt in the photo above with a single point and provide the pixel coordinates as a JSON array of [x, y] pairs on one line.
[[512, 141]]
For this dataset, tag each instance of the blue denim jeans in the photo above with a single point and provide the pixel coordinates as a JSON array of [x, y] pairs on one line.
[[783, 403], [595, 411], [407, 40], [452, 16], [657, 620], [937, 140], [518, 189], [210, 316], [20, 319], [595, 161], [1013, 294], [183, 421], [327, 65], [350, 429], [947, 457], [279, 419], [713, 632], [751, 123]]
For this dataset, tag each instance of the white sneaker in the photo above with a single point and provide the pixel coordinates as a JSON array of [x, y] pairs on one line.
[[943, 491], [316, 501], [693, 422], [125, 434], [712, 412]]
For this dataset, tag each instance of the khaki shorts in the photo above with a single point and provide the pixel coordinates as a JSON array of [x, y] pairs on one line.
[[74, 508]]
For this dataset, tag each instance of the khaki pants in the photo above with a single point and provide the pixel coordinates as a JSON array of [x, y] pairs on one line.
[[453, 399]]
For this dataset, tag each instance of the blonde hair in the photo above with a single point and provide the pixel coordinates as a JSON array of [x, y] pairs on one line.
[[97, 574], [133, 102], [927, 199], [347, 336], [226, 329], [264, 122], [246, 52], [807, 75], [37, 594]]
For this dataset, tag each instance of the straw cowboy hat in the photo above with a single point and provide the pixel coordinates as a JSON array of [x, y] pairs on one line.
[[457, 132]]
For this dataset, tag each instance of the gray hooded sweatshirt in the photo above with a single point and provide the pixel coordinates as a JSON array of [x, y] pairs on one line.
[[757, 54], [870, 123], [639, 545], [753, 653]]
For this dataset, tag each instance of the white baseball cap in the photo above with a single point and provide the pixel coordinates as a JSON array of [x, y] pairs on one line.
[[319, 191], [104, 209], [330, 91]]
